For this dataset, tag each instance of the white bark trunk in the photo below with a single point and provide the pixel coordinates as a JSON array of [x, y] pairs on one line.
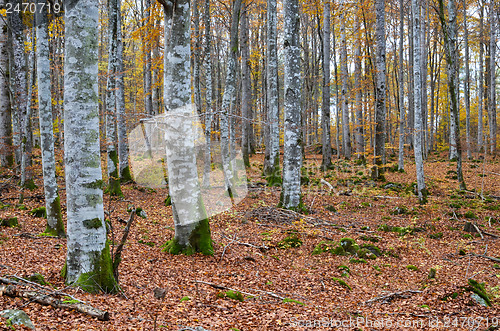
[[401, 104], [492, 17], [346, 135], [52, 204], [417, 86], [292, 159], [6, 148], [88, 263], [325, 110]]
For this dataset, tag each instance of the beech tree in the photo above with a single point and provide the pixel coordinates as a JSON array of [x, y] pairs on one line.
[[88, 262], [209, 102], [55, 225], [292, 159], [6, 148], [346, 135], [492, 111], [450, 31], [325, 106], [380, 91], [272, 159], [417, 101], [192, 230]]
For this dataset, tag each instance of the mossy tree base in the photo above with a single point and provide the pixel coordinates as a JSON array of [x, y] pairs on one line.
[[126, 175], [55, 214], [100, 278], [30, 185], [200, 241]]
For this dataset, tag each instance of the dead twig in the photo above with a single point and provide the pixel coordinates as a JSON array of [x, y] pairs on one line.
[[487, 257], [222, 287], [391, 296]]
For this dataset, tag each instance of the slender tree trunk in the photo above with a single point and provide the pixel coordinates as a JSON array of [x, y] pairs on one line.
[[346, 135], [272, 163], [55, 225], [360, 140], [228, 98], [417, 86], [246, 85], [6, 148], [148, 96], [467, 85], [88, 261], [450, 31], [401, 103], [325, 110], [196, 56], [492, 84], [192, 230], [381, 91], [292, 160], [208, 96], [111, 136], [338, 105], [480, 93], [124, 172], [411, 82]]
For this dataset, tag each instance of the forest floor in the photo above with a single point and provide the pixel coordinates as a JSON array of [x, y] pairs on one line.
[[266, 254]]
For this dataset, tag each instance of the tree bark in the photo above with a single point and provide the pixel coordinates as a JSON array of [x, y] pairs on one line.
[[192, 230], [325, 106], [55, 225], [417, 86], [292, 159], [6, 148], [360, 140], [467, 84], [480, 93], [380, 92], [346, 135], [272, 163], [209, 111], [401, 103], [492, 17], [88, 261], [246, 85]]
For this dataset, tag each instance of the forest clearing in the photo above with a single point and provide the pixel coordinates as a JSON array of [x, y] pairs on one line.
[[281, 281]]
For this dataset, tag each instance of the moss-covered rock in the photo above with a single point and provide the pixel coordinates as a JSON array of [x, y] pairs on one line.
[[39, 212], [349, 245], [9, 222], [373, 249], [479, 289], [292, 241], [235, 295]]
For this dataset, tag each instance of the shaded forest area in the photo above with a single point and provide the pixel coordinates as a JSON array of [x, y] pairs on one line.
[[202, 165]]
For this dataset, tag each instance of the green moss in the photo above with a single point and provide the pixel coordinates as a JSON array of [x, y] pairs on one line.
[[438, 235], [100, 278], [9, 222], [64, 271], [39, 212], [373, 249], [479, 289], [232, 295], [331, 208], [126, 176], [412, 267], [470, 214], [37, 278], [97, 184], [432, 273], [349, 245], [30, 185], [292, 241], [354, 260], [55, 210], [200, 241], [369, 238], [186, 298], [94, 223], [285, 300], [168, 201], [342, 283]]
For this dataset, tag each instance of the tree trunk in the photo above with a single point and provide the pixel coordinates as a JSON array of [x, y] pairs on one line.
[[272, 163], [209, 111], [55, 225], [124, 172], [360, 140], [325, 109], [6, 148], [401, 103], [417, 88], [229, 97], [346, 135], [192, 230], [148, 96], [381, 91], [492, 84], [111, 136], [467, 85], [480, 93], [246, 85], [292, 159], [88, 261], [196, 56]]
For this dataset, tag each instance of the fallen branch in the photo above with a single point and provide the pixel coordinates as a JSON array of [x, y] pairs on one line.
[[48, 300], [221, 287], [391, 296], [117, 257], [487, 257]]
